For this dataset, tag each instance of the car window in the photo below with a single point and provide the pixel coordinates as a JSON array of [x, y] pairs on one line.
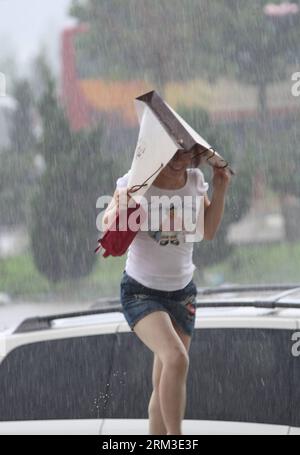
[[57, 379], [242, 375], [130, 382]]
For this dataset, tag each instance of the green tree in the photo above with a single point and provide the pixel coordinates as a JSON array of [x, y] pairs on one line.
[[161, 41], [284, 167], [16, 180], [21, 134], [251, 46], [16, 161], [63, 228], [238, 195], [57, 138], [283, 173], [156, 40]]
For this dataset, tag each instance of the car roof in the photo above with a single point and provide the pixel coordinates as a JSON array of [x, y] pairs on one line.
[[227, 301]]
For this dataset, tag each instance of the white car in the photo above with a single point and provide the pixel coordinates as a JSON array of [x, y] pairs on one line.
[[87, 373]]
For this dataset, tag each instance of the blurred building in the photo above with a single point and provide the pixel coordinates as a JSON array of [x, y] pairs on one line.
[[228, 102], [86, 100]]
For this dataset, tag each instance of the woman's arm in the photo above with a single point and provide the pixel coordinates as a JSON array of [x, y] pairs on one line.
[[118, 201], [214, 209], [110, 212]]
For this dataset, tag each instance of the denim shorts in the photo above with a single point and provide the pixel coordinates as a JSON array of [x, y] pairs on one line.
[[138, 300]]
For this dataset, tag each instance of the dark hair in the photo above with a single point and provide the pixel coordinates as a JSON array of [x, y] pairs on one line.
[[197, 159]]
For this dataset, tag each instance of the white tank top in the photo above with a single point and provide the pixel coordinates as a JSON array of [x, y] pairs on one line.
[[163, 260]]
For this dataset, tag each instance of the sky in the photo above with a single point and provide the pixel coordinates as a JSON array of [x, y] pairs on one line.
[[28, 25]]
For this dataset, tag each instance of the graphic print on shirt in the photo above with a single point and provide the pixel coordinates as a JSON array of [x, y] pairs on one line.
[[193, 217], [171, 229]]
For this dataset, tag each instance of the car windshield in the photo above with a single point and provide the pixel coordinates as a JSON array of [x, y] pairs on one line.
[[69, 130]]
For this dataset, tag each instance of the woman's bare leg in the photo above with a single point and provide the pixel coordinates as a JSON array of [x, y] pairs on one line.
[[186, 340], [158, 334], [156, 422]]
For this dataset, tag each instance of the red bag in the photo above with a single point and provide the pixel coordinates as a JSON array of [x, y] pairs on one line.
[[116, 242]]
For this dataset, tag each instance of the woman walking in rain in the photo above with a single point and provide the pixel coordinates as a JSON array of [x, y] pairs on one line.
[[157, 288]]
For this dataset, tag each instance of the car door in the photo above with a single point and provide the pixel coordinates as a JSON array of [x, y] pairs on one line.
[[57, 386], [130, 386], [239, 382]]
